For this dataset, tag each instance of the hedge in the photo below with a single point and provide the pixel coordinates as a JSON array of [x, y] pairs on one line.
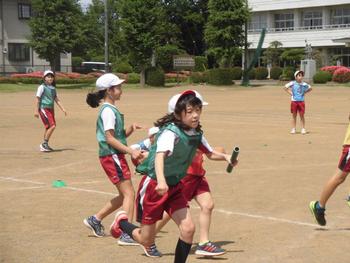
[[220, 76]]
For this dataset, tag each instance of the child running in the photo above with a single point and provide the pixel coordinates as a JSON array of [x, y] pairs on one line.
[[318, 208], [111, 137], [297, 89], [46, 95], [160, 189]]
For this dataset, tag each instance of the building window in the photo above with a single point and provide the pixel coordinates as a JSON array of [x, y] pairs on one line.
[[312, 19], [258, 22], [284, 22], [18, 52], [24, 11], [340, 16]]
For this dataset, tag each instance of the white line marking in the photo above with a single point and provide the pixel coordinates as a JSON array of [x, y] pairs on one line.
[[90, 191], [23, 188], [20, 180]]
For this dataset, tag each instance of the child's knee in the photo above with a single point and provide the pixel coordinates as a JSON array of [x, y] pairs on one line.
[[187, 230]]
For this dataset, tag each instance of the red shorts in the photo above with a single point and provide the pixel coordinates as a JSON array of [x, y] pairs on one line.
[[344, 162], [47, 116], [150, 205], [296, 106], [194, 185], [116, 167]]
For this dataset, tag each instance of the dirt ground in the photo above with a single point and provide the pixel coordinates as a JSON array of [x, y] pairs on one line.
[[261, 209]]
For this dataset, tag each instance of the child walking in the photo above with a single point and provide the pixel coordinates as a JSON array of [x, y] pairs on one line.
[[160, 189], [111, 137], [46, 95], [318, 208], [297, 89]]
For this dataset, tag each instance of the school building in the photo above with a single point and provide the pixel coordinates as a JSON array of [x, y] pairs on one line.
[[323, 24], [15, 53]]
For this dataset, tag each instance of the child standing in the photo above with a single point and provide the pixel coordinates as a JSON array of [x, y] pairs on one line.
[[160, 189], [111, 137], [318, 208], [297, 89], [44, 107]]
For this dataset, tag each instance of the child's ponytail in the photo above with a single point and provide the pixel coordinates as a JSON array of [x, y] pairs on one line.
[[93, 98]]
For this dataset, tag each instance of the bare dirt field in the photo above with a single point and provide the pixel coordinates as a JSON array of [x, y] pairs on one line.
[[261, 209]]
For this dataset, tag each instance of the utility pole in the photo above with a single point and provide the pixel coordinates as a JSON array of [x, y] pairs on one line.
[[106, 37]]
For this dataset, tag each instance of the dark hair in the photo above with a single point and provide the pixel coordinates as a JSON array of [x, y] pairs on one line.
[[54, 79], [180, 106], [93, 98]]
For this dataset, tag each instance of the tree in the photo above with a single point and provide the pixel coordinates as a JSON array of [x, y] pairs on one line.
[[293, 56], [145, 27], [272, 55], [224, 31], [54, 28]]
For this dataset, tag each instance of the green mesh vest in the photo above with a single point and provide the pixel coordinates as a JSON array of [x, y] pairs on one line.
[[175, 165], [119, 132], [48, 97]]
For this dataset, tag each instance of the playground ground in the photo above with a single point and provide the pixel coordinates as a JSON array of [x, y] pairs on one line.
[[261, 209]]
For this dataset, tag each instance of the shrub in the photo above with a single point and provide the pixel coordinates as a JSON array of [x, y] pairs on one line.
[[275, 73], [331, 69], [341, 75], [133, 78], [322, 77], [123, 67], [220, 76], [201, 63], [287, 73], [236, 73], [165, 55], [261, 73], [251, 73], [199, 77], [155, 77], [76, 61]]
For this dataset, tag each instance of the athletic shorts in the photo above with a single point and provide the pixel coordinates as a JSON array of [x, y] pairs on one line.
[[297, 106], [344, 162], [194, 185], [47, 116], [150, 205], [116, 167]]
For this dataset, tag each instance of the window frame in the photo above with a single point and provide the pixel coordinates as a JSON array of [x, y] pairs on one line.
[[22, 12], [18, 52]]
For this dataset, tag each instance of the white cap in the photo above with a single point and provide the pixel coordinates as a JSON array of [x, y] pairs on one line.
[[172, 102], [152, 131], [297, 72], [46, 72], [108, 80]]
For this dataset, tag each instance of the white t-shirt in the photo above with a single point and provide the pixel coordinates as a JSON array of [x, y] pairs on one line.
[[108, 118], [40, 90], [168, 139]]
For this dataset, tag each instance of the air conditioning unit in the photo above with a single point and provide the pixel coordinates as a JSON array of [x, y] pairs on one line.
[[30, 69]]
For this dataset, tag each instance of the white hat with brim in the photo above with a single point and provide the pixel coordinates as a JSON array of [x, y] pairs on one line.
[[152, 131], [174, 99], [298, 72], [108, 80], [47, 72]]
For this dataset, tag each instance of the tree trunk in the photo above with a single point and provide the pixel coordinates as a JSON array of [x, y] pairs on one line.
[[142, 78], [57, 66]]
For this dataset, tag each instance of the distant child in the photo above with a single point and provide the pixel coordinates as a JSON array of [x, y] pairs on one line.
[[195, 186], [297, 89], [160, 189], [44, 107], [318, 208], [111, 137], [145, 145]]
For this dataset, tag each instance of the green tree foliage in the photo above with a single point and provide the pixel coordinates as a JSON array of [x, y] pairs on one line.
[[293, 55], [145, 27], [272, 55], [54, 28], [224, 31]]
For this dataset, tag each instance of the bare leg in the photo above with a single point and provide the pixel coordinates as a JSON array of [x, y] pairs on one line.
[[183, 219], [48, 132], [302, 120], [206, 203], [338, 178], [161, 223], [294, 120], [145, 235]]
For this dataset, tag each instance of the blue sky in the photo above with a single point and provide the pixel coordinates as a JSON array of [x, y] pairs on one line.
[[85, 3]]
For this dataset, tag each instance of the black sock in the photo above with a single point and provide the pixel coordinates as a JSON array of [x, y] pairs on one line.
[[181, 252], [127, 227]]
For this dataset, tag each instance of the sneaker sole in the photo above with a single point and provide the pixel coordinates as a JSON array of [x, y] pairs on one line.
[[42, 149], [149, 255], [88, 226], [115, 219], [210, 254], [122, 243], [311, 207]]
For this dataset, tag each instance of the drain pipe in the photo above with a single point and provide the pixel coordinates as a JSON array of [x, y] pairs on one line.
[[2, 35]]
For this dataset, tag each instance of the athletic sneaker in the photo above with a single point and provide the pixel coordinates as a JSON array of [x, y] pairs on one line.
[[44, 148], [292, 131], [209, 249], [126, 240], [115, 230], [152, 251], [303, 131], [95, 225], [318, 213], [348, 200]]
